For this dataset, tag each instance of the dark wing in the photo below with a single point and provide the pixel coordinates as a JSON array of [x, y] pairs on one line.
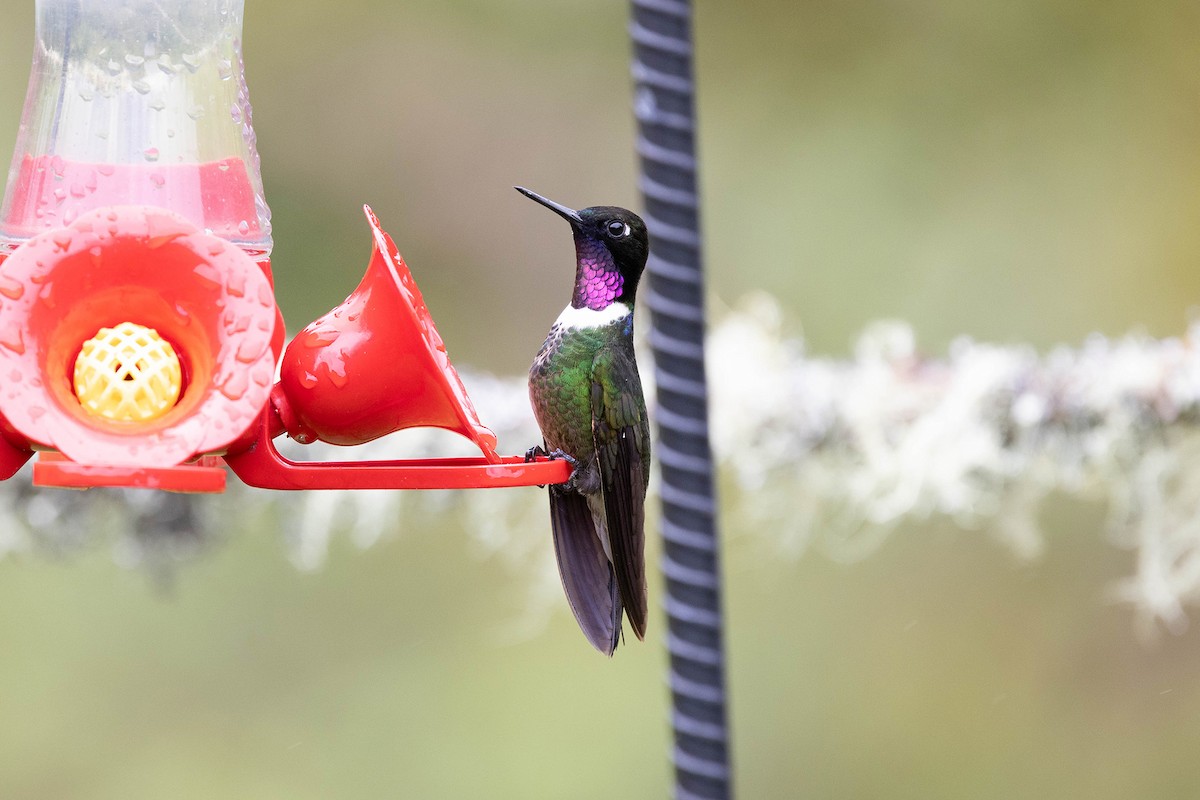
[[587, 577], [622, 437]]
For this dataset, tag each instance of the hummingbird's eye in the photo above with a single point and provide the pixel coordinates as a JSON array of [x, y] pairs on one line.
[[617, 229]]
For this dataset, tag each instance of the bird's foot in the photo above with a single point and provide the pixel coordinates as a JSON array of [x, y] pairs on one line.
[[537, 451], [558, 454]]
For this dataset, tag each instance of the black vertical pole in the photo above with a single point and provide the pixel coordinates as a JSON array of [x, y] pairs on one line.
[[665, 107]]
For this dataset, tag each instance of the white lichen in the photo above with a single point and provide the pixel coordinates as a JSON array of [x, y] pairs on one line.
[[835, 453]]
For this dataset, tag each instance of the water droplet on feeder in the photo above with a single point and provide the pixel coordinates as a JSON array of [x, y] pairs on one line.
[[236, 386], [11, 288], [317, 339], [248, 351], [338, 377], [13, 338]]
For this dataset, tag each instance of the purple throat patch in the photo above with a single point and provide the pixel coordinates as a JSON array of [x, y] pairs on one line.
[[597, 283]]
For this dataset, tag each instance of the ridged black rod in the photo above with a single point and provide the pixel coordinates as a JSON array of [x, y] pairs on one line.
[[664, 103]]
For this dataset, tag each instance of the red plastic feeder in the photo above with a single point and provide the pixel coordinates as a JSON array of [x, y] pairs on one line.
[[375, 365], [139, 332], [372, 366], [154, 269]]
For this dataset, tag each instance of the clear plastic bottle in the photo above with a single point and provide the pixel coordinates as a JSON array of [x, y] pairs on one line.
[[137, 102]]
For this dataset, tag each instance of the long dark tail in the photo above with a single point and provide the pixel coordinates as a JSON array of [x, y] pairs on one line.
[[587, 576]]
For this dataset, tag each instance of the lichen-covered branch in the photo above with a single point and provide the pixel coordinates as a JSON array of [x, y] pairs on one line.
[[832, 453]]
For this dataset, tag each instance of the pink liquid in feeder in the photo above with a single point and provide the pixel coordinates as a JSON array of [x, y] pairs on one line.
[[51, 192]]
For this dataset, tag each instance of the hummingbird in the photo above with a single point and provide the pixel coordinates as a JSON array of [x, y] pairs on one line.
[[587, 398]]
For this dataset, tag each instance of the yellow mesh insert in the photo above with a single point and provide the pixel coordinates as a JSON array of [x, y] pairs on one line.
[[127, 373]]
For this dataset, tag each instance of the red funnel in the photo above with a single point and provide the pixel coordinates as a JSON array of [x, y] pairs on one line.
[[374, 365]]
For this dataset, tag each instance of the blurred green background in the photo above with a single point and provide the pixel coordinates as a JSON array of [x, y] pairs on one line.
[[1024, 171]]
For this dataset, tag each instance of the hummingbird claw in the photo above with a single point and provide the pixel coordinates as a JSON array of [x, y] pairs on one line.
[[537, 451], [559, 454], [533, 454]]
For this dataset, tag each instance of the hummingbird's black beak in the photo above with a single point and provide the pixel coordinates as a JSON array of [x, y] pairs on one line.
[[569, 214]]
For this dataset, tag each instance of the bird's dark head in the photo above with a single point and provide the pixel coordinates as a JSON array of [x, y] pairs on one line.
[[611, 246]]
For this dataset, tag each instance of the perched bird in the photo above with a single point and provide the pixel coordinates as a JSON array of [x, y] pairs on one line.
[[588, 401]]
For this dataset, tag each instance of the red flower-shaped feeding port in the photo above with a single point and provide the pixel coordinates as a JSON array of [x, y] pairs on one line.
[[199, 294]]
